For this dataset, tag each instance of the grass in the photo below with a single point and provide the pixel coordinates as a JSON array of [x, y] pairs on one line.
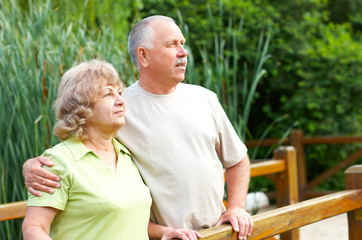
[[36, 47]]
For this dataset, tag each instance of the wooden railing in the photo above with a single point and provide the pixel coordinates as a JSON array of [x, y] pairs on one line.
[[282, 220], [282, 170], [298, 140], [13, 210]]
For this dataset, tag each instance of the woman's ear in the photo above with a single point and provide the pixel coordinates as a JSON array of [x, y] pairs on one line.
[[142, 54]]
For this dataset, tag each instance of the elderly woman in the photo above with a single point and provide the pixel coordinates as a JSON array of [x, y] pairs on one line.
[[102, 194]]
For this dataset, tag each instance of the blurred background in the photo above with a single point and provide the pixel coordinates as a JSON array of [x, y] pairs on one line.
[[276, 66]]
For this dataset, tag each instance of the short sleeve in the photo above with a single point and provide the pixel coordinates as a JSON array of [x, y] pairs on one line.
[[59, 198], [230, 149]]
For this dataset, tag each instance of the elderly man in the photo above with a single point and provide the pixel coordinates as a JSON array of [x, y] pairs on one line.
[[180, 138]]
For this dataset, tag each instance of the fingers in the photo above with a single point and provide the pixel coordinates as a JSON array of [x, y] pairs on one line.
[[251, 226], [190, 235], [39, 179], [240, 221], [243, 226], [40, 176], [183, 234], [45, 175], [235, 224], [34, 192], [44, 186], [45, 161]]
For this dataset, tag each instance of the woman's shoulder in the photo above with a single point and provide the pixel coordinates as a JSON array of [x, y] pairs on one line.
[[64, 151]]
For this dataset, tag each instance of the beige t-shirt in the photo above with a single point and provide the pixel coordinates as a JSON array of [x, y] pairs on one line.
[[177, 141]]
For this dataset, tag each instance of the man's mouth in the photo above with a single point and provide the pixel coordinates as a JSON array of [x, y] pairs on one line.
[[182, 62]]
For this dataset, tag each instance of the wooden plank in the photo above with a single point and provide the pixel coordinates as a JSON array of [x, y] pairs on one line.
[[305, 140], [296, 139], [13, 210], [284, 219], [265, 142], [321, 178], [331, 139], [353, 180], [267, 167], [287, 184]]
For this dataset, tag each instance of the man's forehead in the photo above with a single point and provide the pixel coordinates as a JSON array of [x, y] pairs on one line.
[[164, 26]]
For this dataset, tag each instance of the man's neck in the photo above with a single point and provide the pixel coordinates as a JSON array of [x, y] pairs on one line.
[[156, 88]]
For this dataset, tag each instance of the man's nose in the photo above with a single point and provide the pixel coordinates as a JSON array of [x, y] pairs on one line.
[[182, 52]]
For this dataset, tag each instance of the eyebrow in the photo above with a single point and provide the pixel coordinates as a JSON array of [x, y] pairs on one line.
[[107, 88]]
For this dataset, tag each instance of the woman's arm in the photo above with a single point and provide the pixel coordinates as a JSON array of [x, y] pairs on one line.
[[37, 222]]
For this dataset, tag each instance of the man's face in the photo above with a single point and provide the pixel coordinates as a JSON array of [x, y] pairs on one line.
[[168, 57]]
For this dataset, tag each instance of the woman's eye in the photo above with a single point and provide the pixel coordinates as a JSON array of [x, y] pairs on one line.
[[107, 94]]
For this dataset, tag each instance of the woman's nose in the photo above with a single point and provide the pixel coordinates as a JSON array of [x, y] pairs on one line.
[[119, 100]]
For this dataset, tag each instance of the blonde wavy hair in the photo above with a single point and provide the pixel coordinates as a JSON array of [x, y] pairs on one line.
[[78, 90]]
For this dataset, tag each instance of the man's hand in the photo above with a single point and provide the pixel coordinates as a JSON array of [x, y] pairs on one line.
[[39, 179], [239, 219]]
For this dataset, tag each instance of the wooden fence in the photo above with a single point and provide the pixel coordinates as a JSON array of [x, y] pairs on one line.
[[285, 219], [298, 140], [282, 170]]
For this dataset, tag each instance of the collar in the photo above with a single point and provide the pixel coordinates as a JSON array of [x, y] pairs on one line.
[[79, 150]]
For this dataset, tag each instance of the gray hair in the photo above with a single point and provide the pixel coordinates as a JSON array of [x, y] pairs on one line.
[[142, 35]]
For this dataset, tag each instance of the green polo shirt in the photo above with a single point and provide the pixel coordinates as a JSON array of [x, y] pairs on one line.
[[94, 201]]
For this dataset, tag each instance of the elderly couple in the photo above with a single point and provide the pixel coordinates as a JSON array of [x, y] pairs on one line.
[[97, 183]]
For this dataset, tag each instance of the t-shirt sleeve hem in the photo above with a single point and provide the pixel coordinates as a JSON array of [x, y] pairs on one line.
[[56, 206], [231, 163]]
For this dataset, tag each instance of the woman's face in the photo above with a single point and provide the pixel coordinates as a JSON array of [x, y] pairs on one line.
[[108, 110]]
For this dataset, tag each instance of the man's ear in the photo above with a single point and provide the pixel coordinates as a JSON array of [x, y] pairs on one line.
[[142, 54]]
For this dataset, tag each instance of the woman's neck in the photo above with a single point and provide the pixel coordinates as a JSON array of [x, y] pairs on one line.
[[102, 146]]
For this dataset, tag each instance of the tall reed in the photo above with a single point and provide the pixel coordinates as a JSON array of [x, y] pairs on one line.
[[36, 47], [235, 82]]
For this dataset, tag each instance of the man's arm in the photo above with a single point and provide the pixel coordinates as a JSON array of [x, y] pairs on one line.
[[156, 231], [237, 181], [39, 179]]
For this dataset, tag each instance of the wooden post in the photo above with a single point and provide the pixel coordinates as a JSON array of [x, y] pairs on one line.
[[353, 180], [296, 139], [287, 184]]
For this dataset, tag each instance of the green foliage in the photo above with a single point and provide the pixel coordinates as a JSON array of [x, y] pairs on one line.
[[36, 46], [314, 77], [325, 64]]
